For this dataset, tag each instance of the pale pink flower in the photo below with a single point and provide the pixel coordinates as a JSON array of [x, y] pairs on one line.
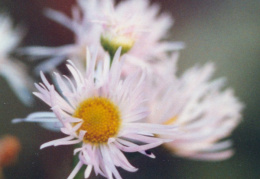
[[140, 24], [204, 112], [102, 112], [134, 24]]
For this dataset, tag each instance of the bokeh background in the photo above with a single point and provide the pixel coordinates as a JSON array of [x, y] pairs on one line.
[[225, 32]]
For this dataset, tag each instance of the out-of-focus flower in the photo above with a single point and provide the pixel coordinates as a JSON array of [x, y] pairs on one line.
[[133, 25], [9, 149], [139, 27], [103, 112], [12, 70], [205, 114], [85, 32]]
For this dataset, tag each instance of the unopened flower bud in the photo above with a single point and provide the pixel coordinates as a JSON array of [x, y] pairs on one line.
[[111, 43]]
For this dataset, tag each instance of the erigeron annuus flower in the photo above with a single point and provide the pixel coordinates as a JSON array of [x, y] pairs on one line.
[[101, 111], [133, 25], [137, 26], [12, 70], [204, 112]]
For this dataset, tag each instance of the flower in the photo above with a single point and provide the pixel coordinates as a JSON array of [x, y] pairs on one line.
[[144, 26], [204, 112], [133, 25], [12, 70], [102, 112], [138, 28]]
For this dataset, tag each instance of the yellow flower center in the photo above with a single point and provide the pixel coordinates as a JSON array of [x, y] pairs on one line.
[[101, 119]]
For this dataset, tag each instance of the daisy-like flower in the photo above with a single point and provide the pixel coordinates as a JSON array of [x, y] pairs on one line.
[[12, 70], [134, 25], [138, 27], [204, 112], [102, 112]]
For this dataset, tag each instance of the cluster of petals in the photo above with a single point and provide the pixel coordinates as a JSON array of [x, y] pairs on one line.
[[190, 114], [92, 18], [100, 80], [12, 70], [205, 113]]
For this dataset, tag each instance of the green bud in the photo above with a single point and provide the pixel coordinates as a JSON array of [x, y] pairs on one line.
[[111, 43]]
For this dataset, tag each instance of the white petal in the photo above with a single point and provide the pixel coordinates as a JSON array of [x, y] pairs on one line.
[[75, 170]]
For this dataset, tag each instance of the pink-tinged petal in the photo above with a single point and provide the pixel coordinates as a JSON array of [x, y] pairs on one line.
[[75, 170], [214, 156], [127, 146], [60, 18], [203, 111], [121, 158], [65, 139], [109, 162], [88, 171]]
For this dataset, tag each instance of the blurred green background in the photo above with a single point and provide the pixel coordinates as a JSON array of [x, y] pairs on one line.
[[225, 32]]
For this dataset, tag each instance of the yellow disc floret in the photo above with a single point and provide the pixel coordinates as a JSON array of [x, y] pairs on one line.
[[101, 119]]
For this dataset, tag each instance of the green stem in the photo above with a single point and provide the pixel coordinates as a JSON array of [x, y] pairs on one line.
[[80, 174], [111, 58]]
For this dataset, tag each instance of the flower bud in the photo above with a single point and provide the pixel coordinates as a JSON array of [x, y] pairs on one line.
[[111, 43]]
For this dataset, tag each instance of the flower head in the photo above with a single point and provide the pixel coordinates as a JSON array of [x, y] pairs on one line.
[[205, 114], [135, 26], [102, 112]]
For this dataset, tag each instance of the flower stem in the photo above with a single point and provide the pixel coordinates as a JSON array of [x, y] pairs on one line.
[[80, 174]]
